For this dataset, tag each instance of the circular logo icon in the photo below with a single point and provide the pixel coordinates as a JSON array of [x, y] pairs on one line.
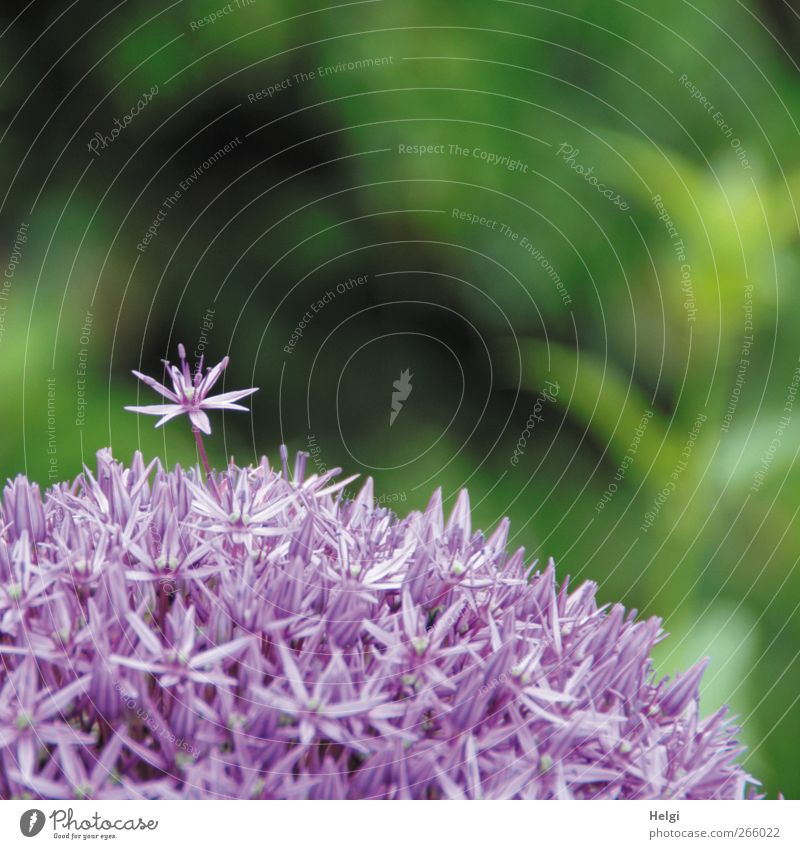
[[31, 822]]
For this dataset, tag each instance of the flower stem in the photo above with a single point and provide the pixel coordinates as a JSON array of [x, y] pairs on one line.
[[202, 452]]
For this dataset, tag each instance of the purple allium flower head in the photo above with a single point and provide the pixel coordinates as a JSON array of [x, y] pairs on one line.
[[190, 393], [254, 634]]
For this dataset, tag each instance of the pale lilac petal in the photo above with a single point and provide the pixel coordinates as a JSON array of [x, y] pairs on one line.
[[212, 376], [157, 409], [147, 637], [169, 416], [26, 756], [159, 387], [200, 420], [219, 402], [56, 702], [220, 652]]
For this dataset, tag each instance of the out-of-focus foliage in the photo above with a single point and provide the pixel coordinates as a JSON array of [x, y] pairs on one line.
[[685, 111]]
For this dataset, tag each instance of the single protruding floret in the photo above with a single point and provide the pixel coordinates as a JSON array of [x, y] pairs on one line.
[[189, 394]]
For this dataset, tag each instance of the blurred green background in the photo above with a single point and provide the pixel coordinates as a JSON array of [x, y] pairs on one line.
[[599, 194]]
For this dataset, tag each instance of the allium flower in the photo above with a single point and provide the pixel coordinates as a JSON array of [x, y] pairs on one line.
[[256, 635], [190, 396], [190, 393]]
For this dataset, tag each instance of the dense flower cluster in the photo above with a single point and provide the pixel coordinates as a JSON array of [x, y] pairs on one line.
[[256, 635]]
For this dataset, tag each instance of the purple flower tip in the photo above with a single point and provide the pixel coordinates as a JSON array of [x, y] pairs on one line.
[[256, 635]]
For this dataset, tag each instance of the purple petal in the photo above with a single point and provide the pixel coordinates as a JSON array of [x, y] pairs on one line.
[[200, 420], [212, 377], [159, 387], [157, 409], [225, 401]]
